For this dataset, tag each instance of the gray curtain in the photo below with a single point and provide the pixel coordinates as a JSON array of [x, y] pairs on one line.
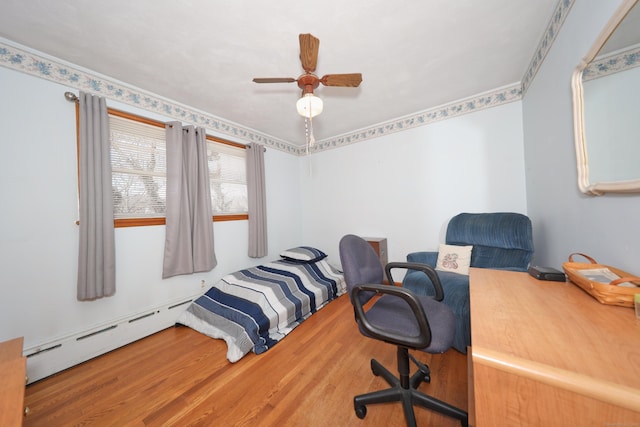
[[96, 259], [256, 195], [188, 246]]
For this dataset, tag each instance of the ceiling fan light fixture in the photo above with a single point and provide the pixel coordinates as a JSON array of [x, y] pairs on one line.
[[309, 105]]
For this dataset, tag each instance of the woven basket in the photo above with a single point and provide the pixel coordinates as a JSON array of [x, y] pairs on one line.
[[606, 293]]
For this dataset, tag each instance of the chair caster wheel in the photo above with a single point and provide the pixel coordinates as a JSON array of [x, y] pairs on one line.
[[361, 411]]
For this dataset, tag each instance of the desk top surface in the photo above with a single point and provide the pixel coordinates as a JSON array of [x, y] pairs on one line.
[[555, 324]]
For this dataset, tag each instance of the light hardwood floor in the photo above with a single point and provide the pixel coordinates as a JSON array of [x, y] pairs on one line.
[[181, 377]]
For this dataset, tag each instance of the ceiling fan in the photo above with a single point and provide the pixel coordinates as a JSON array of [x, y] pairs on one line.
[[310, 105]]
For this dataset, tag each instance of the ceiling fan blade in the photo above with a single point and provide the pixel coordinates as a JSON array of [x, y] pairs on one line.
[[309, 46], [348, 80], [274, 80]]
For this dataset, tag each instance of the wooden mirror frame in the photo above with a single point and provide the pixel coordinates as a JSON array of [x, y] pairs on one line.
[[598, 188]]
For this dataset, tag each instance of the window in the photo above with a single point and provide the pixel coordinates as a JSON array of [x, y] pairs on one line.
[[139, 165], [227, 178], [138, 168]]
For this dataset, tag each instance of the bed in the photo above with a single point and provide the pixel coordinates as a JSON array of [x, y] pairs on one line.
[[255, 308]]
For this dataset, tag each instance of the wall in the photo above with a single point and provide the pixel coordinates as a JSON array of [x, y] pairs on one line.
[[39, 237], [420, 177], [403, 186], [407, 185], [565, 220]]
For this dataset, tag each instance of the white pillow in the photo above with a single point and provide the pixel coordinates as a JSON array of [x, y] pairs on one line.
[[455, 259]]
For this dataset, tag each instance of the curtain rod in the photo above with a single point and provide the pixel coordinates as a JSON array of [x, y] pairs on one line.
[[72, 97]]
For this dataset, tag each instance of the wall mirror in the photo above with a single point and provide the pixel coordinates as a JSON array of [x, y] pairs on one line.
[[606, 107]]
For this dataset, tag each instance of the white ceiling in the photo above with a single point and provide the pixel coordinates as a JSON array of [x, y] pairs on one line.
[[413, 55]]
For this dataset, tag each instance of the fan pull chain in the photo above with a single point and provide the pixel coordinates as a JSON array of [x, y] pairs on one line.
[[312, 139], [306, 133], [308, 130]]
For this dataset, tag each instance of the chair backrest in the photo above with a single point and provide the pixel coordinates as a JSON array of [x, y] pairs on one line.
[[360, 264], [499, 239]]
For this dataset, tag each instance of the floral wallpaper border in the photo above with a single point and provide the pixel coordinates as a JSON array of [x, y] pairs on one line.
[[557, 19], [612, 64], [39, 65], [458, 108], [472, 104], [476, 103]]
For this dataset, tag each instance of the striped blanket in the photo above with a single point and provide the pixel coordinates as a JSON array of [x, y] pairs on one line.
[[253, 309]]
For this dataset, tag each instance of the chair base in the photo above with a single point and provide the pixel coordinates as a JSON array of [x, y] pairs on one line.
[[404, 389]]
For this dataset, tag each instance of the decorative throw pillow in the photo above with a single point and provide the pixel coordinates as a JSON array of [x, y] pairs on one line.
[[303, 254], [455, 259]]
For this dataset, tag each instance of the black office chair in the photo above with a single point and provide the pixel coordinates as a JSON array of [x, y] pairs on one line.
[[399, 317]]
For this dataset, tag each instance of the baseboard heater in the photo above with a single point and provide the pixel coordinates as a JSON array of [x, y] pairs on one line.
[[60, 354]]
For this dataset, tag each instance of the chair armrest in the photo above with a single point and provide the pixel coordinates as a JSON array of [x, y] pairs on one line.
[[426, 269], [422, 340], [427, 257]]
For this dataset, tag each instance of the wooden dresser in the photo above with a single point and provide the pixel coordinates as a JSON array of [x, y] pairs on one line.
[[12, 382], [379, 244], [548, 354]]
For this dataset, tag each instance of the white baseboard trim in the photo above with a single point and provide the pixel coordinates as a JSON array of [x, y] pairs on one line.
[[60, 354]]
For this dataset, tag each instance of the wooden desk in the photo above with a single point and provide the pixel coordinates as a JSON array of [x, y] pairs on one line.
[[12, 383], [548, 354]]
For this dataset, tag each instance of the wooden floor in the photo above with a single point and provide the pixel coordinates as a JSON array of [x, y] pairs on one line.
[[181, 377]]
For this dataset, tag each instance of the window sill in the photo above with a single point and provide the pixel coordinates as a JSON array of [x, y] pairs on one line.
[[143, 222]]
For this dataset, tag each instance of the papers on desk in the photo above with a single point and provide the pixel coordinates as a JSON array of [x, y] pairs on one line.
[[604, 275]]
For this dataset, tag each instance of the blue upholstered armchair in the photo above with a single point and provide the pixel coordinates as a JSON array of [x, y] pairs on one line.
[[500, 241]]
